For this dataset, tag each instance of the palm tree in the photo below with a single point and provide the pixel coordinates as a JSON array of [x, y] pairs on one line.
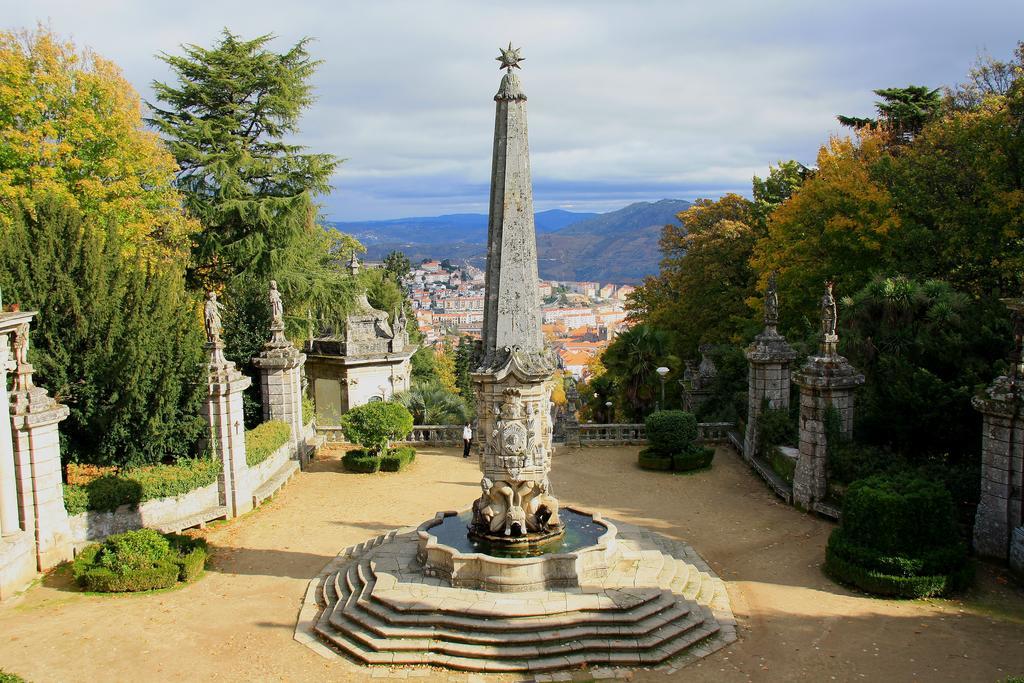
[[432, 404], [632, 359]]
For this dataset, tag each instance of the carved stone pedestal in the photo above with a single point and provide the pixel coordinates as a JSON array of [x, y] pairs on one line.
[[514, 428], [280, 365], [37, 466], [227, 430], [826, 382], [768, 381]]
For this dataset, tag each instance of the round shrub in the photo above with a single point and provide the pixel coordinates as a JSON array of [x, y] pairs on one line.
[[670, 431], [696, 458], [375, 425], [649, 460], [899, 538], [139, 560], [899, 514]]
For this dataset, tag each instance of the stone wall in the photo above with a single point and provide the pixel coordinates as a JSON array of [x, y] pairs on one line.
[[1002, 460], [191, 509]]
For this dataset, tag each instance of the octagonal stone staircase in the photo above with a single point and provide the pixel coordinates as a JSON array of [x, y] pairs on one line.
[[659, 603]]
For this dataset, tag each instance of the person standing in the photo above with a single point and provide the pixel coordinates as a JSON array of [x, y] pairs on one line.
[[467, 440]]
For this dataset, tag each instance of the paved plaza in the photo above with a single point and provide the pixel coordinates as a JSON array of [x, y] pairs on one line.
[[237, 622]]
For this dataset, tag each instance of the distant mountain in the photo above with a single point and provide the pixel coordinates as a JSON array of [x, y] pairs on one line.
[[618, 246], [455, 227]]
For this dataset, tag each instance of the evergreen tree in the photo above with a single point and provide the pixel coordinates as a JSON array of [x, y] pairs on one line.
[[397, 263], [225, 122], [901, 111], [463, 367], [119, 343]]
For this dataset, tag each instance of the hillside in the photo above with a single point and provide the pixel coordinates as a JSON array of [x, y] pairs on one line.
[[619, 246]]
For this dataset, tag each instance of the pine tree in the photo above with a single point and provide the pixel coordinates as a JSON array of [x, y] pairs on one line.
[[118, 342], [225, 122]]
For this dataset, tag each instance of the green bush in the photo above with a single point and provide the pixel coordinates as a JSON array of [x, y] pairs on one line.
[[898, 537], [6, 677], [670, 431], [76, 499], [132, 487], [697, 457], [361, 461], [397, 459], [375, 425], [139, 560], [781, 465], [308, 410], [263, 441], [899, 514], [775, 427]]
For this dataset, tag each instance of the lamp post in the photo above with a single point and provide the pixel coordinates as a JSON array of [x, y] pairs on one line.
[[611, 415], [662, 371]]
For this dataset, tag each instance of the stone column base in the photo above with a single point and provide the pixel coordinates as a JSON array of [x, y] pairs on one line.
[[17, 563]]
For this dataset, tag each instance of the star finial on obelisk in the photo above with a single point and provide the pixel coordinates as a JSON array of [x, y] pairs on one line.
[[510, 57]]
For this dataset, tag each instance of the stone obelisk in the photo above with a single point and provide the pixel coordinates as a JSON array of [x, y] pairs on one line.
[[512, 379]]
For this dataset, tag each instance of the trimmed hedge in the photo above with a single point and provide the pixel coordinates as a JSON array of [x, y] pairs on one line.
[[264, 439], [649, 460], [898, 538], [132, 487], [397, 459], [670, 431], [671, 438], [394, 460], [696, 458], [879, 583], [139, 560], [361, 461]]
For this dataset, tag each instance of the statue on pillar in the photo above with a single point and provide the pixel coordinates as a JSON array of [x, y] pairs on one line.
[[276, 307], [21, 345], [829, 318], [771, 303], [211, 319]]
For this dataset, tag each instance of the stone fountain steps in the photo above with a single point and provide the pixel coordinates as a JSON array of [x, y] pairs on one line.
[[659, 602], [665, 641], [556, 628], [650, 625]]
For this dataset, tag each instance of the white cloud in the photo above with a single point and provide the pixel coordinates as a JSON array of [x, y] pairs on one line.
[[627, 100]]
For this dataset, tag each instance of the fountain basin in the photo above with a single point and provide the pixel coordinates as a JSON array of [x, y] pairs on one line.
[[583, 554]]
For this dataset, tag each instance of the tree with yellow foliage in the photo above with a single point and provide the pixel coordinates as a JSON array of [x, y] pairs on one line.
[[71, 130]]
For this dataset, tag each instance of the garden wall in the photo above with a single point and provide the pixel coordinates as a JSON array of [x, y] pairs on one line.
[[194, 508]]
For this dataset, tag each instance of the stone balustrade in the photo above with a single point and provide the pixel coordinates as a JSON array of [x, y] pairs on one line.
[[586, 434], [435, 435]]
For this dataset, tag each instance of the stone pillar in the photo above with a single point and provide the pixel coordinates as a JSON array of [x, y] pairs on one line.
[[826, 381], [1002, 453], [227, 430], [10, 521], [281, 366], [36, 447], [769, 357]]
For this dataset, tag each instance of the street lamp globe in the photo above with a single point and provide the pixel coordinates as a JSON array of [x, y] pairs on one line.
[[662, 371]]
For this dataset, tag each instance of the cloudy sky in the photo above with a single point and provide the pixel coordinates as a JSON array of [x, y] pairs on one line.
[[628, 101]]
